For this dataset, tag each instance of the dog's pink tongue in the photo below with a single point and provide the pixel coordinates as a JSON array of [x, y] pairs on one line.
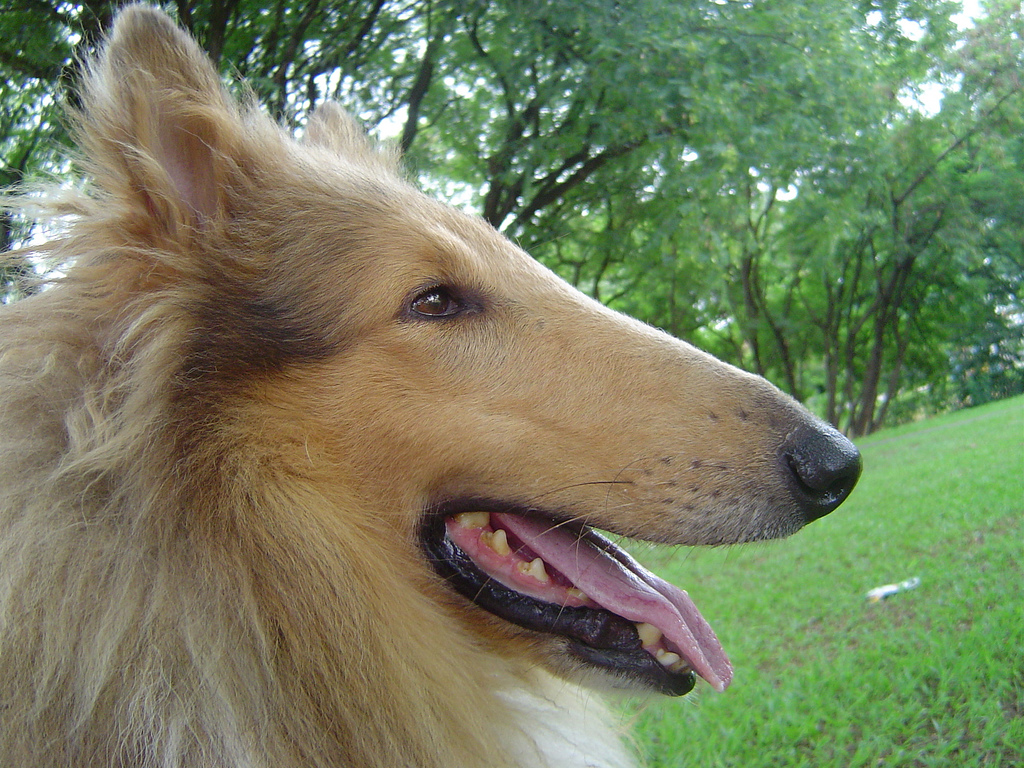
[[619, 584]]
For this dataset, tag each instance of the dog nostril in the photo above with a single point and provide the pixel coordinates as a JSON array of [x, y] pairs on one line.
[[824, 467]]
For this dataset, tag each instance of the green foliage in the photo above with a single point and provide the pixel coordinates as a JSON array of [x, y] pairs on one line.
[[851, 262], [929, 677], [762, 178]]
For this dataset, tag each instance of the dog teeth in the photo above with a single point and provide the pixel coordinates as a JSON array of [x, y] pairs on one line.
[[473, 519], [497, 540], [534, 568], [673, 662], [577, 593], [649, 634]]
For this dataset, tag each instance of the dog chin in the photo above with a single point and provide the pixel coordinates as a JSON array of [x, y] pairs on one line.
[[563, 662]]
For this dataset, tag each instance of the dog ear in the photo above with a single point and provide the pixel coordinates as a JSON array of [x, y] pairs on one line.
[[331, 127], [156, 124]]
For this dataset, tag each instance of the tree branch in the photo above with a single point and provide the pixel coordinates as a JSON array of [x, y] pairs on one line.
[[930, 168]]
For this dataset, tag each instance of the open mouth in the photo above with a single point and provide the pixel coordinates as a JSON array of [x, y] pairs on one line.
[[566, 579]]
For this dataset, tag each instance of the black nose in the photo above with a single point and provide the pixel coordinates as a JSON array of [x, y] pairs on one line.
[[824, 467]]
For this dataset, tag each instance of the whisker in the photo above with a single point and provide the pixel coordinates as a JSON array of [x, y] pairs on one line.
[[582, 484]]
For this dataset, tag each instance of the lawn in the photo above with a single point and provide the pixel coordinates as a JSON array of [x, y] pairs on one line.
[[929, 677]]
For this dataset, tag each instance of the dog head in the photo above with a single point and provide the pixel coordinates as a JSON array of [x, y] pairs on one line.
[[335, 358]]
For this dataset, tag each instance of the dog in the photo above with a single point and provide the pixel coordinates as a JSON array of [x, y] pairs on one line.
[[302, 468]]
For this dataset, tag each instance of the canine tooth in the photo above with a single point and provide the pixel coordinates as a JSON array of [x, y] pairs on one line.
[[577, 593], [649, 634], [667, 658], [497, 540], [473, 519], [534, 568]]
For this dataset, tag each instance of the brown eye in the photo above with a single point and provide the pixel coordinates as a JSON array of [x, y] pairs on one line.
[[436, 302]]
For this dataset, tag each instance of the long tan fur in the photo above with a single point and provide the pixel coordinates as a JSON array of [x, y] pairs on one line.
[[222, 428]]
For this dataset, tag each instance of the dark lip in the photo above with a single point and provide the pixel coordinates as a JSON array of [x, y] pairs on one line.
[[593, 635]]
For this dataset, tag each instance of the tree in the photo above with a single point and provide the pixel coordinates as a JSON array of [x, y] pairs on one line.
[[759, 177], [851, 264]]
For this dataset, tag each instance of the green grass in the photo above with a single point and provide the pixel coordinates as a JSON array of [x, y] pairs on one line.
[[930, 677]]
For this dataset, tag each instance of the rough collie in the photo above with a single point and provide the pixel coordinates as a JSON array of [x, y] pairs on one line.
[[301, 468]]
